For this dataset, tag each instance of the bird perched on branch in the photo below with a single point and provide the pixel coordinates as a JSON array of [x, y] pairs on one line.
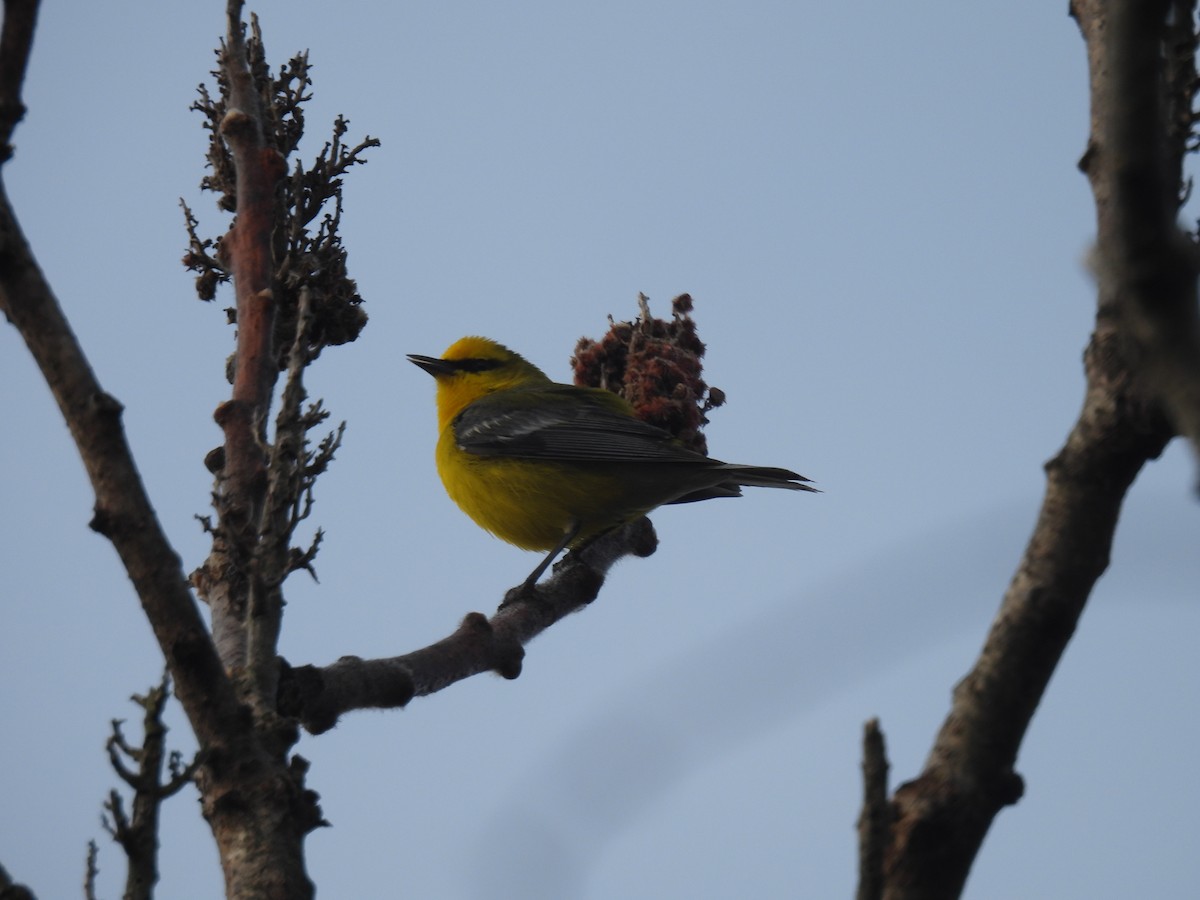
[[548, 466]]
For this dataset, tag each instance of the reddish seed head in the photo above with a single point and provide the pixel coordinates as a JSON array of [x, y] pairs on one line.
[[656, 365]]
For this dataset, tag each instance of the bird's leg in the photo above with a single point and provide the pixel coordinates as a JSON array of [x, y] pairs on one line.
[[528, 588], [569, 535]]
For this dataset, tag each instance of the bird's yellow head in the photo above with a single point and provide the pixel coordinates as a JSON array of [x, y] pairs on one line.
[[472, 367]]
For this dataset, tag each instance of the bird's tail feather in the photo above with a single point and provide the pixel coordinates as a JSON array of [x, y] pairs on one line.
[[748, 476], [767, 476]]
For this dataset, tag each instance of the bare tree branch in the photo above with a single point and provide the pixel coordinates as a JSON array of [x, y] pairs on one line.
[[123, 512], [246, 253], [874, 822], [294, 297], [138, 833], [319, 696], [941, 817], [1143, 101], [288, 501], [16, 39], [260, 841]]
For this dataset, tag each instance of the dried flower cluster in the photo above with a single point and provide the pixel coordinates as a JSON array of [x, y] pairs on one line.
[[655, 364], [304, 257]]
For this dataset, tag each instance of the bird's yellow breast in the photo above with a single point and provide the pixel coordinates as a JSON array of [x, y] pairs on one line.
[[532, 503]]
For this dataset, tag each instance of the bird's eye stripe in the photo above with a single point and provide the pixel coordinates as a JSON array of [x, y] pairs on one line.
[[476, 365]]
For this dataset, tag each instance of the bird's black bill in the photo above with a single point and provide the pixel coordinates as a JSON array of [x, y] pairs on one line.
[[435, 366], [432, 364]]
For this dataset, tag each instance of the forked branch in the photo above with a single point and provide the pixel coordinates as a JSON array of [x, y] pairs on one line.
[[137, 831]]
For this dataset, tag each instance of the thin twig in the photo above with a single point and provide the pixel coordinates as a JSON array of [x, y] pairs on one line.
[[91, 871]]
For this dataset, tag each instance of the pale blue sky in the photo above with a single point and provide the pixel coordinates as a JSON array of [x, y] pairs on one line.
[[877, 211]]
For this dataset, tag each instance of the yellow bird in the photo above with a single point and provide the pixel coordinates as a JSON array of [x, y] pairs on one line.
[[548, 466]]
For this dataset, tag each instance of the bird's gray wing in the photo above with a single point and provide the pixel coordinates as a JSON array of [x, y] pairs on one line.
[[562, 423]]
